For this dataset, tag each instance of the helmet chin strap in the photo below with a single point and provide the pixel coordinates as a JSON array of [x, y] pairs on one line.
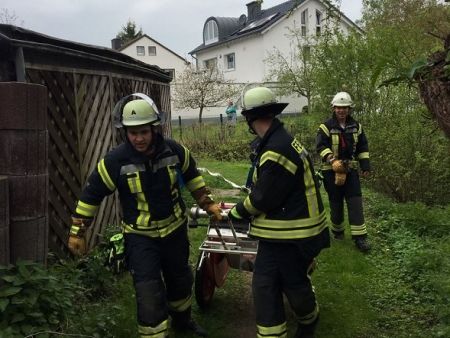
[[250, 119]]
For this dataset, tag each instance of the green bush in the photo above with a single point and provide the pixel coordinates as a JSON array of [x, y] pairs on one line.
[[33, 299], [410, 160]]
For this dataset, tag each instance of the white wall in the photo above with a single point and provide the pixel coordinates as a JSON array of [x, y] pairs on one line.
[[164, 58], [250, 52]]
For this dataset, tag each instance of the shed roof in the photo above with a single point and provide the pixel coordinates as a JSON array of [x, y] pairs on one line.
[[38, 46]]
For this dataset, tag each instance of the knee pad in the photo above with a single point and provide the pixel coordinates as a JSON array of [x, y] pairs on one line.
[[151, 302], [302, 301]]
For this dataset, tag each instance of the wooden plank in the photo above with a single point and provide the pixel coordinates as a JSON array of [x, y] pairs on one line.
[[29, 238], [4, 202], [28, 196], [4, 221], [23, 152]]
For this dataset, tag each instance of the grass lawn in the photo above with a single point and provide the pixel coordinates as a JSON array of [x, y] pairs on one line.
[[400, 289]]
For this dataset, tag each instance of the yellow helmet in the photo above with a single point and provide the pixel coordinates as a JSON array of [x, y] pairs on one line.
[[261, 101], [139, 112], [342, 99]]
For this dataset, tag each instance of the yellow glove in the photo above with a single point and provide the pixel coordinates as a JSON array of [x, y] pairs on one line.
[[339, 178], [77, 242], [77, 245], [214, 210], [338, 166]]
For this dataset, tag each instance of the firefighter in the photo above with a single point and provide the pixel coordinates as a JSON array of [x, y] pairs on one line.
[[342, 146], [287, 217], [147, 171]]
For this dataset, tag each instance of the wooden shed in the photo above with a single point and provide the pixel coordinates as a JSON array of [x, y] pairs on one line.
[[83, 84]]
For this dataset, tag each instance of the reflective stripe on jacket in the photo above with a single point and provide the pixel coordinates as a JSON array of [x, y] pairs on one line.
[[149, 189], [348, 143], [285, 202]]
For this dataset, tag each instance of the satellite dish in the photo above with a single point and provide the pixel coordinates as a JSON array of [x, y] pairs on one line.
[[242, 20]]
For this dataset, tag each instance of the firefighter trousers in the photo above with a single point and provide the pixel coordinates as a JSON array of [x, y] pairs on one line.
[[161, 274], [351, 193], [282, 268]]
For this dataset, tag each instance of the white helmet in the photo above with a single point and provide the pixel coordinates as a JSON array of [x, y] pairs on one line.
[[342, 99]]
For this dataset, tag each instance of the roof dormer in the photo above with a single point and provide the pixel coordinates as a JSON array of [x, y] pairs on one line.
[[210, 32]]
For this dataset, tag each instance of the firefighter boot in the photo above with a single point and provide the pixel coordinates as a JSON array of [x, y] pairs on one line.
[[361, 243], [182, 321], [306, 331]]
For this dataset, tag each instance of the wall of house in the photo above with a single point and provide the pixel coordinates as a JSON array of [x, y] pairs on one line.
[[164, 58], [251, 52]]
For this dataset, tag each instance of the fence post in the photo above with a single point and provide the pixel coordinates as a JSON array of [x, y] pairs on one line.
[[23, 158], [179, 125], [4, 221]]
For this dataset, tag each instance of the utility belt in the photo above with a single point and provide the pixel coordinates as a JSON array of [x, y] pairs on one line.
[[350, 164], [160, 228]]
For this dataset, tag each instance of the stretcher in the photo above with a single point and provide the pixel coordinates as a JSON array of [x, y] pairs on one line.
[[226, 246]]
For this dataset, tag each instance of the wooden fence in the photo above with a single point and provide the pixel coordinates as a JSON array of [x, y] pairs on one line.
[[83, 82]]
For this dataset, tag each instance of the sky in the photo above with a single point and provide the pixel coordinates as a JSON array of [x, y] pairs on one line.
[[176, 24]]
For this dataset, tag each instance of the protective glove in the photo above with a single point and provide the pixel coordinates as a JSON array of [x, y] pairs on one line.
[[338, 166], [77, 241], [214, 210], [233, 215], [77, 245], [339, 178]]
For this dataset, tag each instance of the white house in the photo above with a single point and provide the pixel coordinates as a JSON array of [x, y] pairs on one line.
[[150, 51], [240, 45]]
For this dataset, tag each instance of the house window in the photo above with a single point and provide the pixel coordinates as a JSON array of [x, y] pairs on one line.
[[152, 50], [211, 63], [304, 22], [318, 22], [210, 32], [140, 50], [229, 61], [306, 53]]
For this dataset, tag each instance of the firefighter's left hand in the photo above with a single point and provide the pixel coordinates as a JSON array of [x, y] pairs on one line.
[[214, 211]]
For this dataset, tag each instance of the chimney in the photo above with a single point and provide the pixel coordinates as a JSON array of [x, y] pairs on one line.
[[116, 43], [253, 10]]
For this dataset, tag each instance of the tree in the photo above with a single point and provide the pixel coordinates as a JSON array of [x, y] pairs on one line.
[[8, 17], [129, 32], [197, 89], [293, 72]]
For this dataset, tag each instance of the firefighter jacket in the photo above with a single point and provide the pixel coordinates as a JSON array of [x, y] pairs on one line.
[[348, 143], [149, 188], [284, 203]]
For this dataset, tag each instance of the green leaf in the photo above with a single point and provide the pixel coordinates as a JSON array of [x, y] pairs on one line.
[[3, 304], [9, 279], [10, 291], [17, 317], [24, 271], [416, 67]]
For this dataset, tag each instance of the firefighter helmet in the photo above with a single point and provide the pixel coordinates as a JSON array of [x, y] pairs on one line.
[[135, 110], [139, 112], [261, 101], [342, 99]]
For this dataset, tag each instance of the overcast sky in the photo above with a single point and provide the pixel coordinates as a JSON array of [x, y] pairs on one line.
[[177, 24]]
